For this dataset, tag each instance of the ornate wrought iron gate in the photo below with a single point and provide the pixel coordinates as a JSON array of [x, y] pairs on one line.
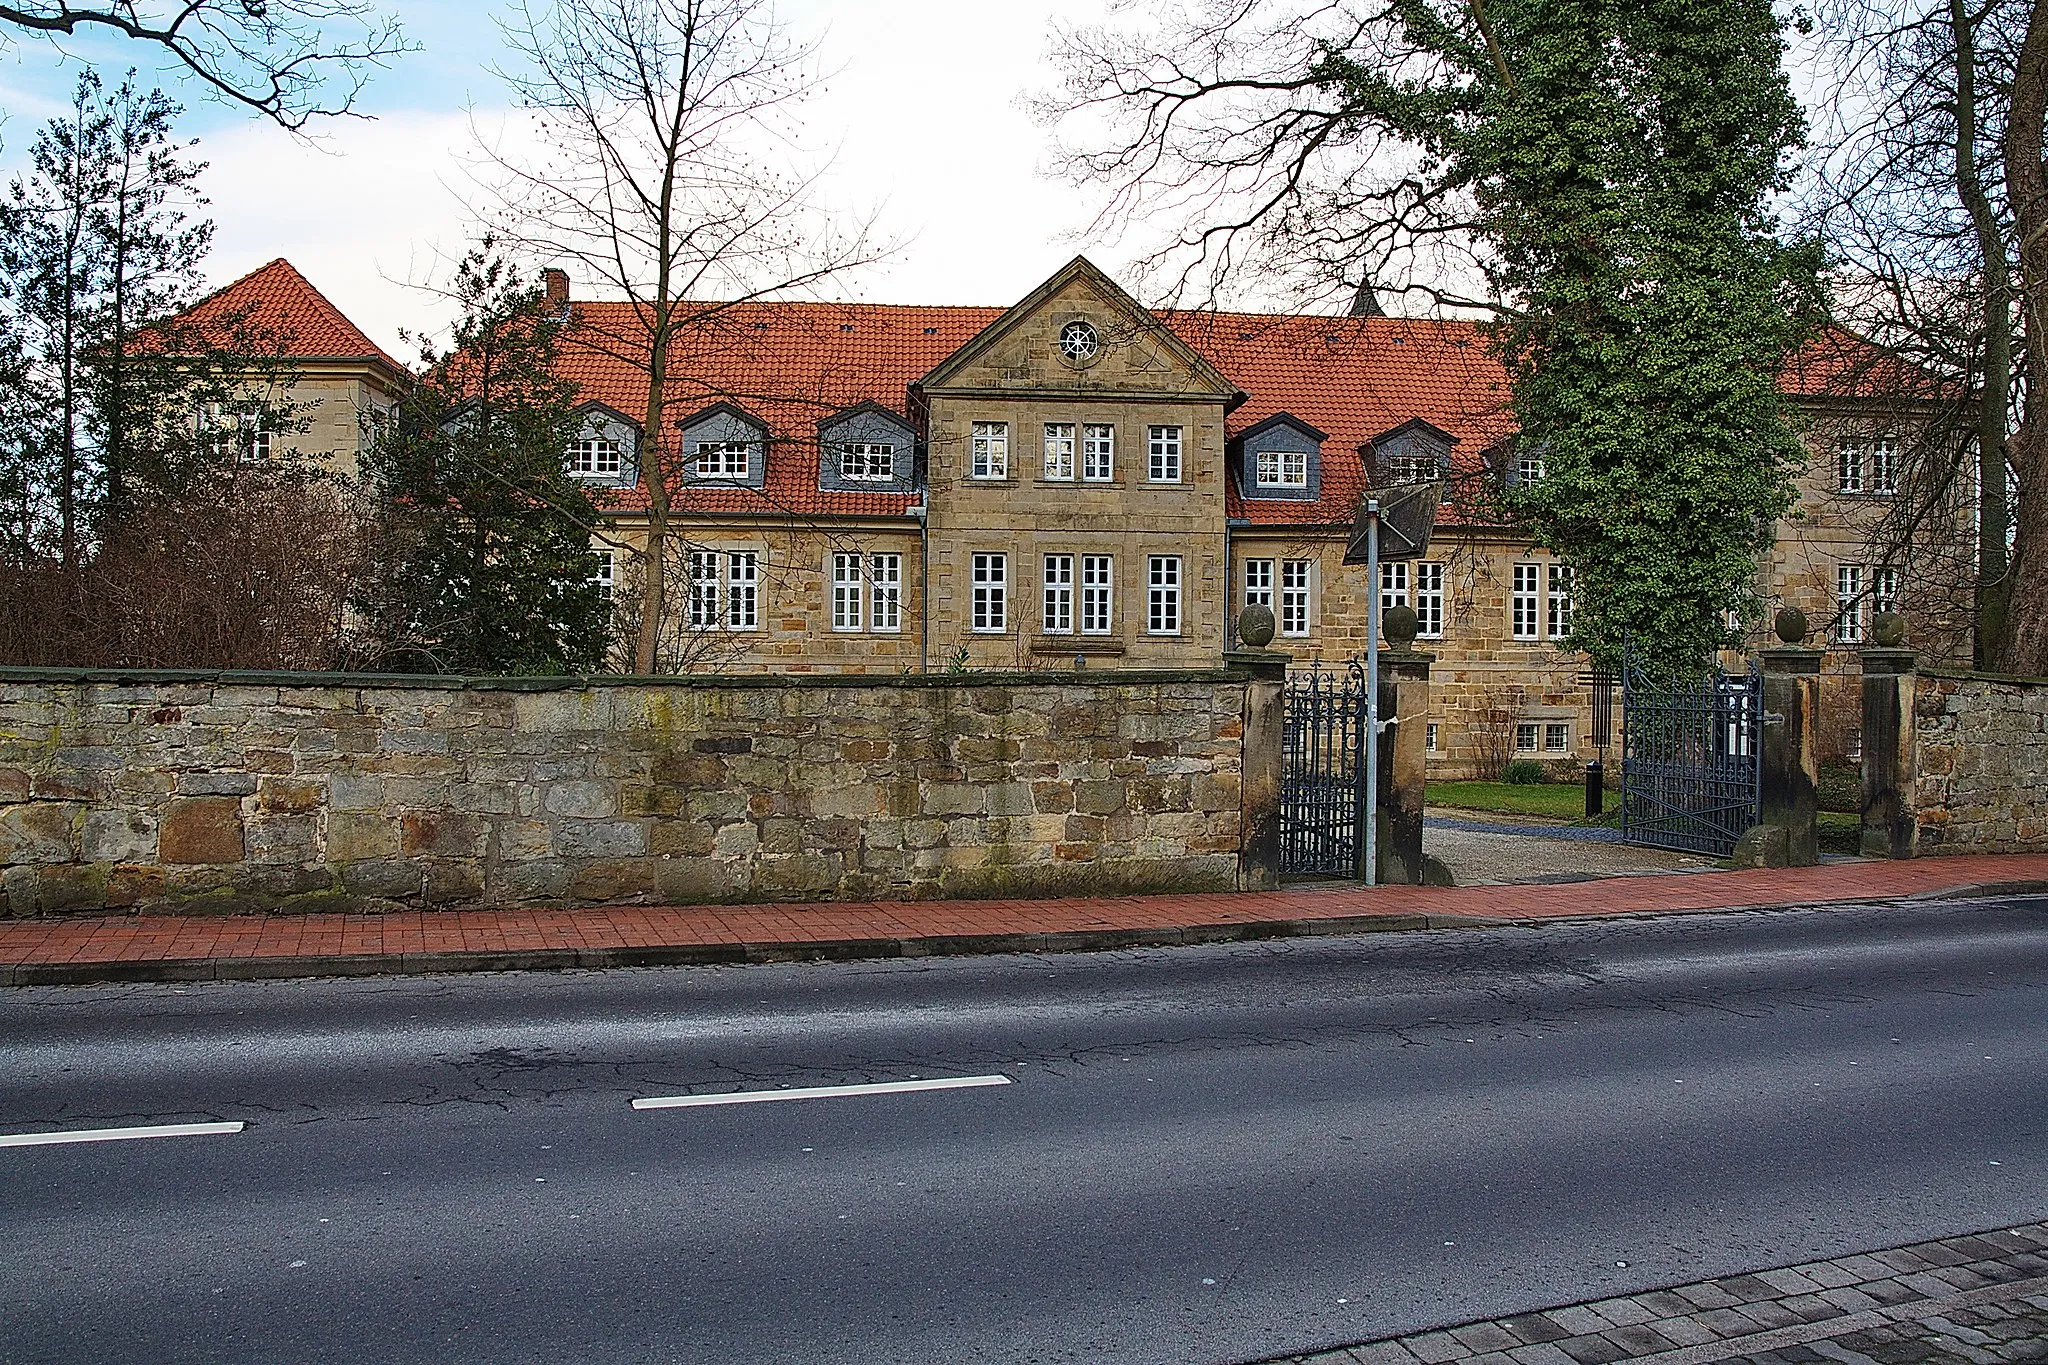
[[1322, 788], [1691, 768]]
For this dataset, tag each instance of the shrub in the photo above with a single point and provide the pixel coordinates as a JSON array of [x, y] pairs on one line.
[[1525, 772]]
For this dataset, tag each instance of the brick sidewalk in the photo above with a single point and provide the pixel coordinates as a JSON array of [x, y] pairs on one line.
[[1981, 1299], [208, 947]]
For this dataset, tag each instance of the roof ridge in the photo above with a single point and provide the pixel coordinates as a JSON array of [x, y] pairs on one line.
[[293, 278]]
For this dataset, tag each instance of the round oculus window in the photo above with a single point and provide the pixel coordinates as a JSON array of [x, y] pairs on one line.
[[1079, 341]]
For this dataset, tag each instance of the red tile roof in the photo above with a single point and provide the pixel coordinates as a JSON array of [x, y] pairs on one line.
[[790, 364], [282, 305]]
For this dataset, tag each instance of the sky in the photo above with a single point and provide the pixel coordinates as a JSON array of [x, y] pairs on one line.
[[920, 118]]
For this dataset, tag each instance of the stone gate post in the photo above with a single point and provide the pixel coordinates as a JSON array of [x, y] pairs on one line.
[[1404, 757], [1790, 779], [1258, 859], [1888, 741]]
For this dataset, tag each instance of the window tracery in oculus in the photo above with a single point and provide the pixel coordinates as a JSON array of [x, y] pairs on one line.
[[1079, 341]]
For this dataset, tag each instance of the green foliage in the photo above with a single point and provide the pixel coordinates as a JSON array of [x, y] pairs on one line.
[[1556, 800], [493, 571], [1525, 772]]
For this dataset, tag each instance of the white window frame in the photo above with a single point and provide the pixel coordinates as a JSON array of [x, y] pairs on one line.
[[1561, 732], [1559, 604], [1849, 604], [1884, 589], [742, 590], [868, 462], [1413, 469], [1429, 737], [1163, 595], [1393, 584], [1884, 465], [707, 582], [849, 592], [1164, 447], [1529, 467], [607, 576], [1528, 734], [1098, 452], [885, 598], [1525, 621], [1281, 468], [1429, 599], [1297, 588], [596, 457], [261, 438], [715, 460], [991, 593], [1059, 452], [1849, 467], [1057, 579], [1261, 577], [990, 451], [1098, 594]]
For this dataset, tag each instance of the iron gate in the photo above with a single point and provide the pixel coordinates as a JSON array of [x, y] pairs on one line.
[[1691, 768], [1322, 785]]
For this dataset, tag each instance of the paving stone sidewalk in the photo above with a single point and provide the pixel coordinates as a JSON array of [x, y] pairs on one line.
[[219, 947], [1980, 1299]]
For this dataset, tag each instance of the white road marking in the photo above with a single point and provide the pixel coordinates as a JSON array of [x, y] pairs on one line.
[[817, 1092], [160, 1130]]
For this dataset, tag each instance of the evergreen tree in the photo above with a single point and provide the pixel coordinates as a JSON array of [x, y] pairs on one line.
[[494, 574]]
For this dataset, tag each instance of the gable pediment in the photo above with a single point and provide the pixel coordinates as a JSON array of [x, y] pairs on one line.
[[1079, 334]]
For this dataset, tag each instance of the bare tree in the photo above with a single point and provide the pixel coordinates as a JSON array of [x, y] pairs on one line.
[[2026, 185], [288, 60], [660, 120]]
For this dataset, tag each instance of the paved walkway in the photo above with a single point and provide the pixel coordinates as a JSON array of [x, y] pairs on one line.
[[1493, 850], [203, 948], [1981, 1299]]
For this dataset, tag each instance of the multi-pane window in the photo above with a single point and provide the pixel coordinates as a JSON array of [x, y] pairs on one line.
[[991, 452], [885, 605], [731, 579], [705, 581], [1098, 452], [722, 459], [259, 439], [1429, 598], [1294, 591], [1526, 734], [742, 590], [1162, 599], [1096, 575], [1559, 618], [1849, 467], [991, 600], [867, 462], [1282, 468], [1884, 465], [848, 592], [1393, 585], [1557, 737], [1849, 603], [1412, 468], [1429, 736], [1258, 583], [1163, 446], [1884, 590], [1522, 603], [1059, 450], [596, 458], [1059, 595], [607, 576], [1529, 466]]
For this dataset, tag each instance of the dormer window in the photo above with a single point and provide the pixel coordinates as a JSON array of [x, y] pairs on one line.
[[868, 462], [721, 459], [1529, 467], [1412, 467], [596, 458], [1282, 468]]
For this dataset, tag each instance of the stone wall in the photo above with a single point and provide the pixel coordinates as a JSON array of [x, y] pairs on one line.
[[183, 792], [1979, 763]]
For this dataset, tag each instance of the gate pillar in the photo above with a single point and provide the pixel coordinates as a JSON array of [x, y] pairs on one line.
[[1404, 762], [1888, 743], [1789, 781], [1258, 858]]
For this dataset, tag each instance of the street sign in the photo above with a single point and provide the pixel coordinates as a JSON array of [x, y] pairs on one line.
[[1407, 516]]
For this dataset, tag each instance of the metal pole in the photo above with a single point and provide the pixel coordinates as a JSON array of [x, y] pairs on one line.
[[1372, 693]]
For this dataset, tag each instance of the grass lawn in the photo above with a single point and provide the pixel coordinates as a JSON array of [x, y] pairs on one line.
[[1558, 800]]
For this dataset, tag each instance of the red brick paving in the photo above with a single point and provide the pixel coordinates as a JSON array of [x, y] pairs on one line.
[[920, 926]]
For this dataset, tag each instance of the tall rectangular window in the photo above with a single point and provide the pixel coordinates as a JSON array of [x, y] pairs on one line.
[[1849, 604], [1096, 576], [1884, 465], [607, 575], [742, 590], [1523, 604], [1059, 450], [1163, 445], [704, 585], [1282, 468], [1258, 583], [1294, 591], [1429, 599], [1059, 595], [1162, 599], [867, 462], [722, 459], [596, 459], [1098, 452], [1884, 590], [991, 453], [885, 575], [1526, 733], [1849, 467], [1559, 618], [991, 603], [847, 592], [1393, 584]]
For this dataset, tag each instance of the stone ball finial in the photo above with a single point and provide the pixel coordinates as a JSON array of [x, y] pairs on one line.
[[1255, 626], [1888, 628], [1790, 623], [1398, 625]]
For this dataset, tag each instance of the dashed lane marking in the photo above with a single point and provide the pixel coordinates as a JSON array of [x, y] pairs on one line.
[[817, 1092], [156, 1130]]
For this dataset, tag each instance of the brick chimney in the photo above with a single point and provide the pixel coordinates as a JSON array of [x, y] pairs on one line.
[[556, 282]]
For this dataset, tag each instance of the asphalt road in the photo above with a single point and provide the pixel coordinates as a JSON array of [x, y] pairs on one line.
[[1206, 1154]]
